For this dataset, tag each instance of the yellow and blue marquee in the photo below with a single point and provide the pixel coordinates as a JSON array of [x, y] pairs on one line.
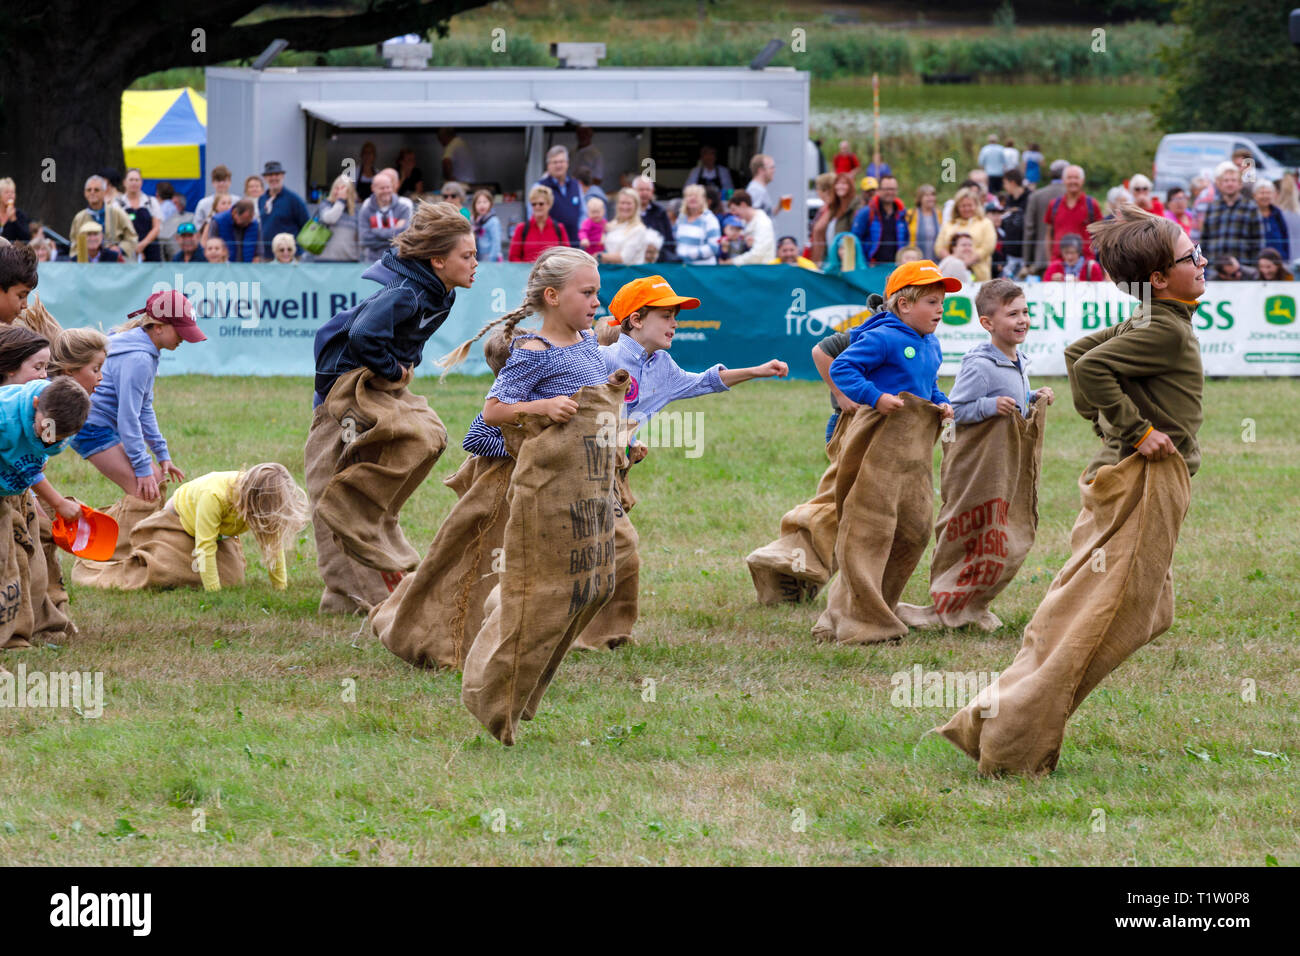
[[165, 135]]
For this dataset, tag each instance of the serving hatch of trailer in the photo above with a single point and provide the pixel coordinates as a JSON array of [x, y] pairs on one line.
[[315, 121]]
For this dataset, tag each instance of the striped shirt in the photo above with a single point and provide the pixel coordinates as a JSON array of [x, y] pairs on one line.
[[697, 239], [533, 375]]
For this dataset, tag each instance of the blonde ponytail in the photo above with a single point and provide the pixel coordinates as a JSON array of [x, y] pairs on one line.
[[37, 318], [552, 270]]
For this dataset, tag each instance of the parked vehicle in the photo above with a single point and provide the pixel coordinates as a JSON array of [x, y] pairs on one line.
[[1181, 156]]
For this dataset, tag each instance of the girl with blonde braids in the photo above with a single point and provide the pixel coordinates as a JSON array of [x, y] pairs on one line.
[[434, 614], [547, 366]]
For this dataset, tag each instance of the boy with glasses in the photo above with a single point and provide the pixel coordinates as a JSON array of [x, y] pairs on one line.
[[1140, 385]]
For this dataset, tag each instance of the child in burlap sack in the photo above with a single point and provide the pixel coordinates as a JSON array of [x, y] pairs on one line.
[[36, 421], [433, 616], [79, 354], [193, 540], [645, 313], [527, 631], [827, 350], [883, 485], [1140, 385], [796, 566], [122, 427], [989, 479], [366, 355]]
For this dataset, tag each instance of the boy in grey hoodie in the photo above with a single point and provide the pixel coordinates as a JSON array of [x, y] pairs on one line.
[[993, 379]]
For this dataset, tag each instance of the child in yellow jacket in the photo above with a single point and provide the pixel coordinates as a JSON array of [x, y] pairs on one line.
[[263, 499]]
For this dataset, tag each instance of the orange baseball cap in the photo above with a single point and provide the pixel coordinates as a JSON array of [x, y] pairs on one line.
[[94, 536], [653, 291], [919, 272]]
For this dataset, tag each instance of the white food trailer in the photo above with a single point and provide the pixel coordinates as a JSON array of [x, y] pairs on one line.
[[314, 119]]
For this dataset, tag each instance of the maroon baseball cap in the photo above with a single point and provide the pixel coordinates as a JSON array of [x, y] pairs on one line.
[[173, 308]]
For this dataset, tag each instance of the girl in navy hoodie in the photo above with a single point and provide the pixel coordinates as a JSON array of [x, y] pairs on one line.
[[385, 333]]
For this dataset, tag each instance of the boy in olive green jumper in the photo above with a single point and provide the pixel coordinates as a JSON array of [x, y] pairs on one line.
[[1140, 382], [1140, 385]]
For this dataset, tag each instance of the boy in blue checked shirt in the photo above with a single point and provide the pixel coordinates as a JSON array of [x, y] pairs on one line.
[[646, 310]]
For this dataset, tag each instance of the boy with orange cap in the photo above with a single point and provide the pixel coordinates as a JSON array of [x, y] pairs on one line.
[[645, 313]]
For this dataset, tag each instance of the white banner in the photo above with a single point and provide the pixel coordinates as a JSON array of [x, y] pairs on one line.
[[1245, 328]]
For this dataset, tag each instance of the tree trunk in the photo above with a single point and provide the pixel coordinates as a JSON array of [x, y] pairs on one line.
[[60, 123]]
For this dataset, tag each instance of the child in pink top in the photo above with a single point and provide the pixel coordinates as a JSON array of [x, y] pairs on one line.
[[591, 233]]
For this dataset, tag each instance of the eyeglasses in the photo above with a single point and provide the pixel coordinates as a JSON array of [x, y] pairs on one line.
[[1142, 189], [1193, 257], [537, 204], [450, 196]]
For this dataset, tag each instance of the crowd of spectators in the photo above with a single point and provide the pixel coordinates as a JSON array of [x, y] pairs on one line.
[[1014, 215]]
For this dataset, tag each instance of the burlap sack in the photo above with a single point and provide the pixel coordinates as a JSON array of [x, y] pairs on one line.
[[884, 497], [432, 617], [32, 616], [349, 587], [161, 556], [13, 584], [1114, 594], [391, 439], [56, 589], [128, 511], [797, 565], [42, 618], [559, 559], [988, 519], [612, 627]]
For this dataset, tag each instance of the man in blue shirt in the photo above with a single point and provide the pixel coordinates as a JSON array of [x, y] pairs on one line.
[[567, 191], [282, 209]]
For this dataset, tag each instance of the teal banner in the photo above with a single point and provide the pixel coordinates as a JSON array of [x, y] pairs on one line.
[[261, 319]]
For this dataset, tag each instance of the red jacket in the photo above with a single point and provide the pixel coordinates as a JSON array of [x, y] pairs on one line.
[[1091, 271], [528, 242]]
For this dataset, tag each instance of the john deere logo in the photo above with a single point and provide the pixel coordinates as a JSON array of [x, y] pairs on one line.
[[957, 309], [1279, 309]]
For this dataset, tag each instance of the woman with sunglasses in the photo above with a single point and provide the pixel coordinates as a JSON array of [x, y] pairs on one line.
[[1144, 195], [539, 231], [454, 193]]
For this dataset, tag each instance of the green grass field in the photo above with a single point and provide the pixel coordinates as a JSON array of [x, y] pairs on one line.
[[759, 745]]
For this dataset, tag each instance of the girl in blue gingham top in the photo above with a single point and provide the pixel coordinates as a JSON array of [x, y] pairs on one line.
[[548, 366]]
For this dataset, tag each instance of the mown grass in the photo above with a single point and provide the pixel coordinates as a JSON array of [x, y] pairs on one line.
[[234, 704]]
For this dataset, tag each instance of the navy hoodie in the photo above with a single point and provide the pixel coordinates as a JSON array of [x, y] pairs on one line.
[[886, 354], [386, 332]]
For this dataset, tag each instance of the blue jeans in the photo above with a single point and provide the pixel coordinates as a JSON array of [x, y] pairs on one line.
[[92, 439], [830, 425]]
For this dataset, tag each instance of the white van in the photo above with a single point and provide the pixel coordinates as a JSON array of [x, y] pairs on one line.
[[1182, 156]]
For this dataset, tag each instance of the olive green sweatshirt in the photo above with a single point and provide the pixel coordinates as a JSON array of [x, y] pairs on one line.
[[1141, 374]]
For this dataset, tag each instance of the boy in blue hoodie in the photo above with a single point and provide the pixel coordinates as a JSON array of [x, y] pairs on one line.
[[386, 334], [897, 351]]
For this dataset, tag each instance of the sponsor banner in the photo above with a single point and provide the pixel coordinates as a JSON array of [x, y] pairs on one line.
[[262, 319]]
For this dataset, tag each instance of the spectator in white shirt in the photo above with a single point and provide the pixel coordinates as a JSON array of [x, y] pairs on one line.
[[993, 160], [626, 238], [758, 234], [763, 168], [220, 187], [457, 160]]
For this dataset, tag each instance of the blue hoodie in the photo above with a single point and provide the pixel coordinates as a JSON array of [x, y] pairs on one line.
[[387, 331], [878, 361], [123, 401], [22, 453]]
